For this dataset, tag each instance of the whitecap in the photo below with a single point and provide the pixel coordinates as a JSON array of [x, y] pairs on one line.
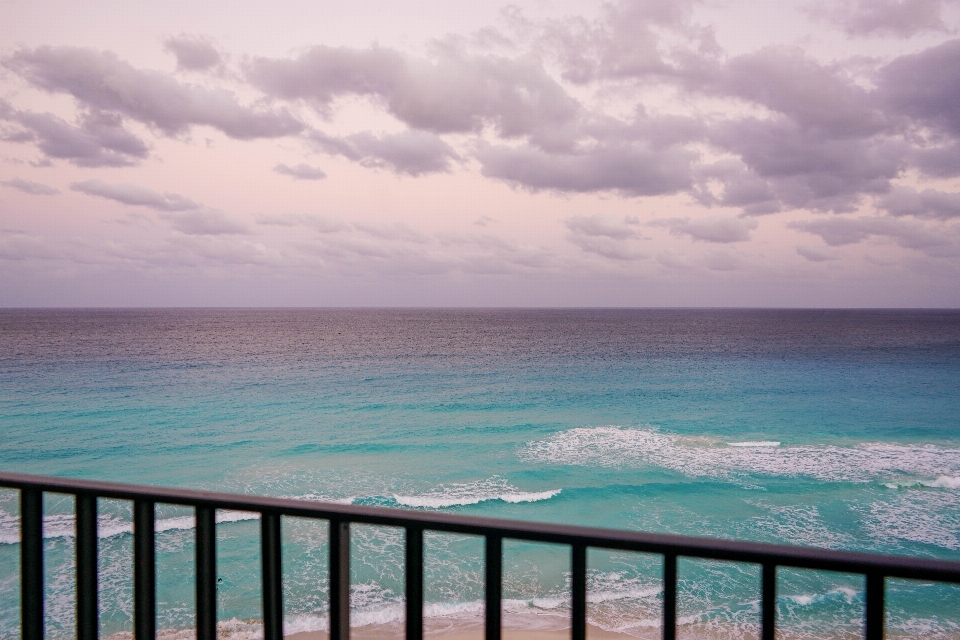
[[754, 443], [108, 526], [462, 494], [619, 447]]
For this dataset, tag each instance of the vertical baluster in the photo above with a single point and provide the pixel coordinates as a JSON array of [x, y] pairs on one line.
[[493, 586], [339, 580], [272, 576], [768, 602], [874, 606], [88, 618], [144, 571], [414, 583], [31, 564], [206, 574], [578, 592], [669, 596]]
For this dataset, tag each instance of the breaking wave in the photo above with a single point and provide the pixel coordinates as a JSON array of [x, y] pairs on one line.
[[614, 446]]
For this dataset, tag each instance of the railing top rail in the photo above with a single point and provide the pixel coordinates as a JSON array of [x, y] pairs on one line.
[[688, 546]]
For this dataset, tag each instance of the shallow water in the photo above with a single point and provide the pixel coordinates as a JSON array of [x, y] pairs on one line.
[[828, 428]]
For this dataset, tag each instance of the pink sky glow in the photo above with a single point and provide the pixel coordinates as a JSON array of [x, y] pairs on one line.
[[551, 153]]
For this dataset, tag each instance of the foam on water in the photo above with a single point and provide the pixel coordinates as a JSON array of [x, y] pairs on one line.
[[108, 526], [754, 443], [452, 495], [615, 446]]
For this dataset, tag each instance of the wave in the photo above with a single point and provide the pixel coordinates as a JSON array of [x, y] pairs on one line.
[[618, 447], [754, 443], [108, 526], [456, 495], [942, 482]]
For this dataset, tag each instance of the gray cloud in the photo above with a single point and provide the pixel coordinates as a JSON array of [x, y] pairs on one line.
[[624, 42], [839, 231], [102, 81], [204, 222], [27, 186], [816, 254], [301, 171], [719, 229], [135, 195], [939, 162], [901, 18], [804, 170], [458, 93], [629, 169], [925, 86], [929, 203], [322, 224], [605, 236], [783, 79], [602, 226], [99, 141], [414, 153], [193, 53]]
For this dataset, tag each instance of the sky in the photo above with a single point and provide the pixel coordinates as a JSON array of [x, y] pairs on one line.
[[737, 153]]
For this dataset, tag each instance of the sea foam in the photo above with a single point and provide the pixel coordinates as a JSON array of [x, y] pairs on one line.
[[462, 494], [614, 446]]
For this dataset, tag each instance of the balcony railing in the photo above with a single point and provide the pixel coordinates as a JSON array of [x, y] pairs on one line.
[[876, 568]]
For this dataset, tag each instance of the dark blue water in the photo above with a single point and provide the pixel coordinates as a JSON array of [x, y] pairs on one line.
[[829, 428]]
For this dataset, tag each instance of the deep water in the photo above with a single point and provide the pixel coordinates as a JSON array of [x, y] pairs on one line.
[[838, 429]]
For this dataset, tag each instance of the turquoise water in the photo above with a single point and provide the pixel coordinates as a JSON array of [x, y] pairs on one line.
[[828, 428]]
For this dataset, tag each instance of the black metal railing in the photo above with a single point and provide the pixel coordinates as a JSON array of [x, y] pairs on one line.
[[876, 568]]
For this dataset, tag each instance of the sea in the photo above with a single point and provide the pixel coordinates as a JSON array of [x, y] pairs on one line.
[[826, 428]]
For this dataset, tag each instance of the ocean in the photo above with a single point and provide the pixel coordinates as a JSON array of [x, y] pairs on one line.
[[829, 428]]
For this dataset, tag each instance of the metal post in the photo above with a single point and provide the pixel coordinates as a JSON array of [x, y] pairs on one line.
[[272, 575], [494, 586], [578, 592], [144, 571], [88, 615], [669, 596], [31, 564], [339, 580], [874, 606], [768, 602], [414, 583], [206, 574]]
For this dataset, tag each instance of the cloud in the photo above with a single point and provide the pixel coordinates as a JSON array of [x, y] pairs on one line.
[[929, 203], [27, 186], [459, 93], [816, 254], [135, 195], [925, 86], [193, 53], [322, 224], [483, 221], [605, 236], [839, 231], [630, 169], [803, 169], [901, 18], [604, 226], [781, 79], [99, 141], [101, 81], [183, 214], [301, 172], [204, 222], [413, 153], [718, 229]]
